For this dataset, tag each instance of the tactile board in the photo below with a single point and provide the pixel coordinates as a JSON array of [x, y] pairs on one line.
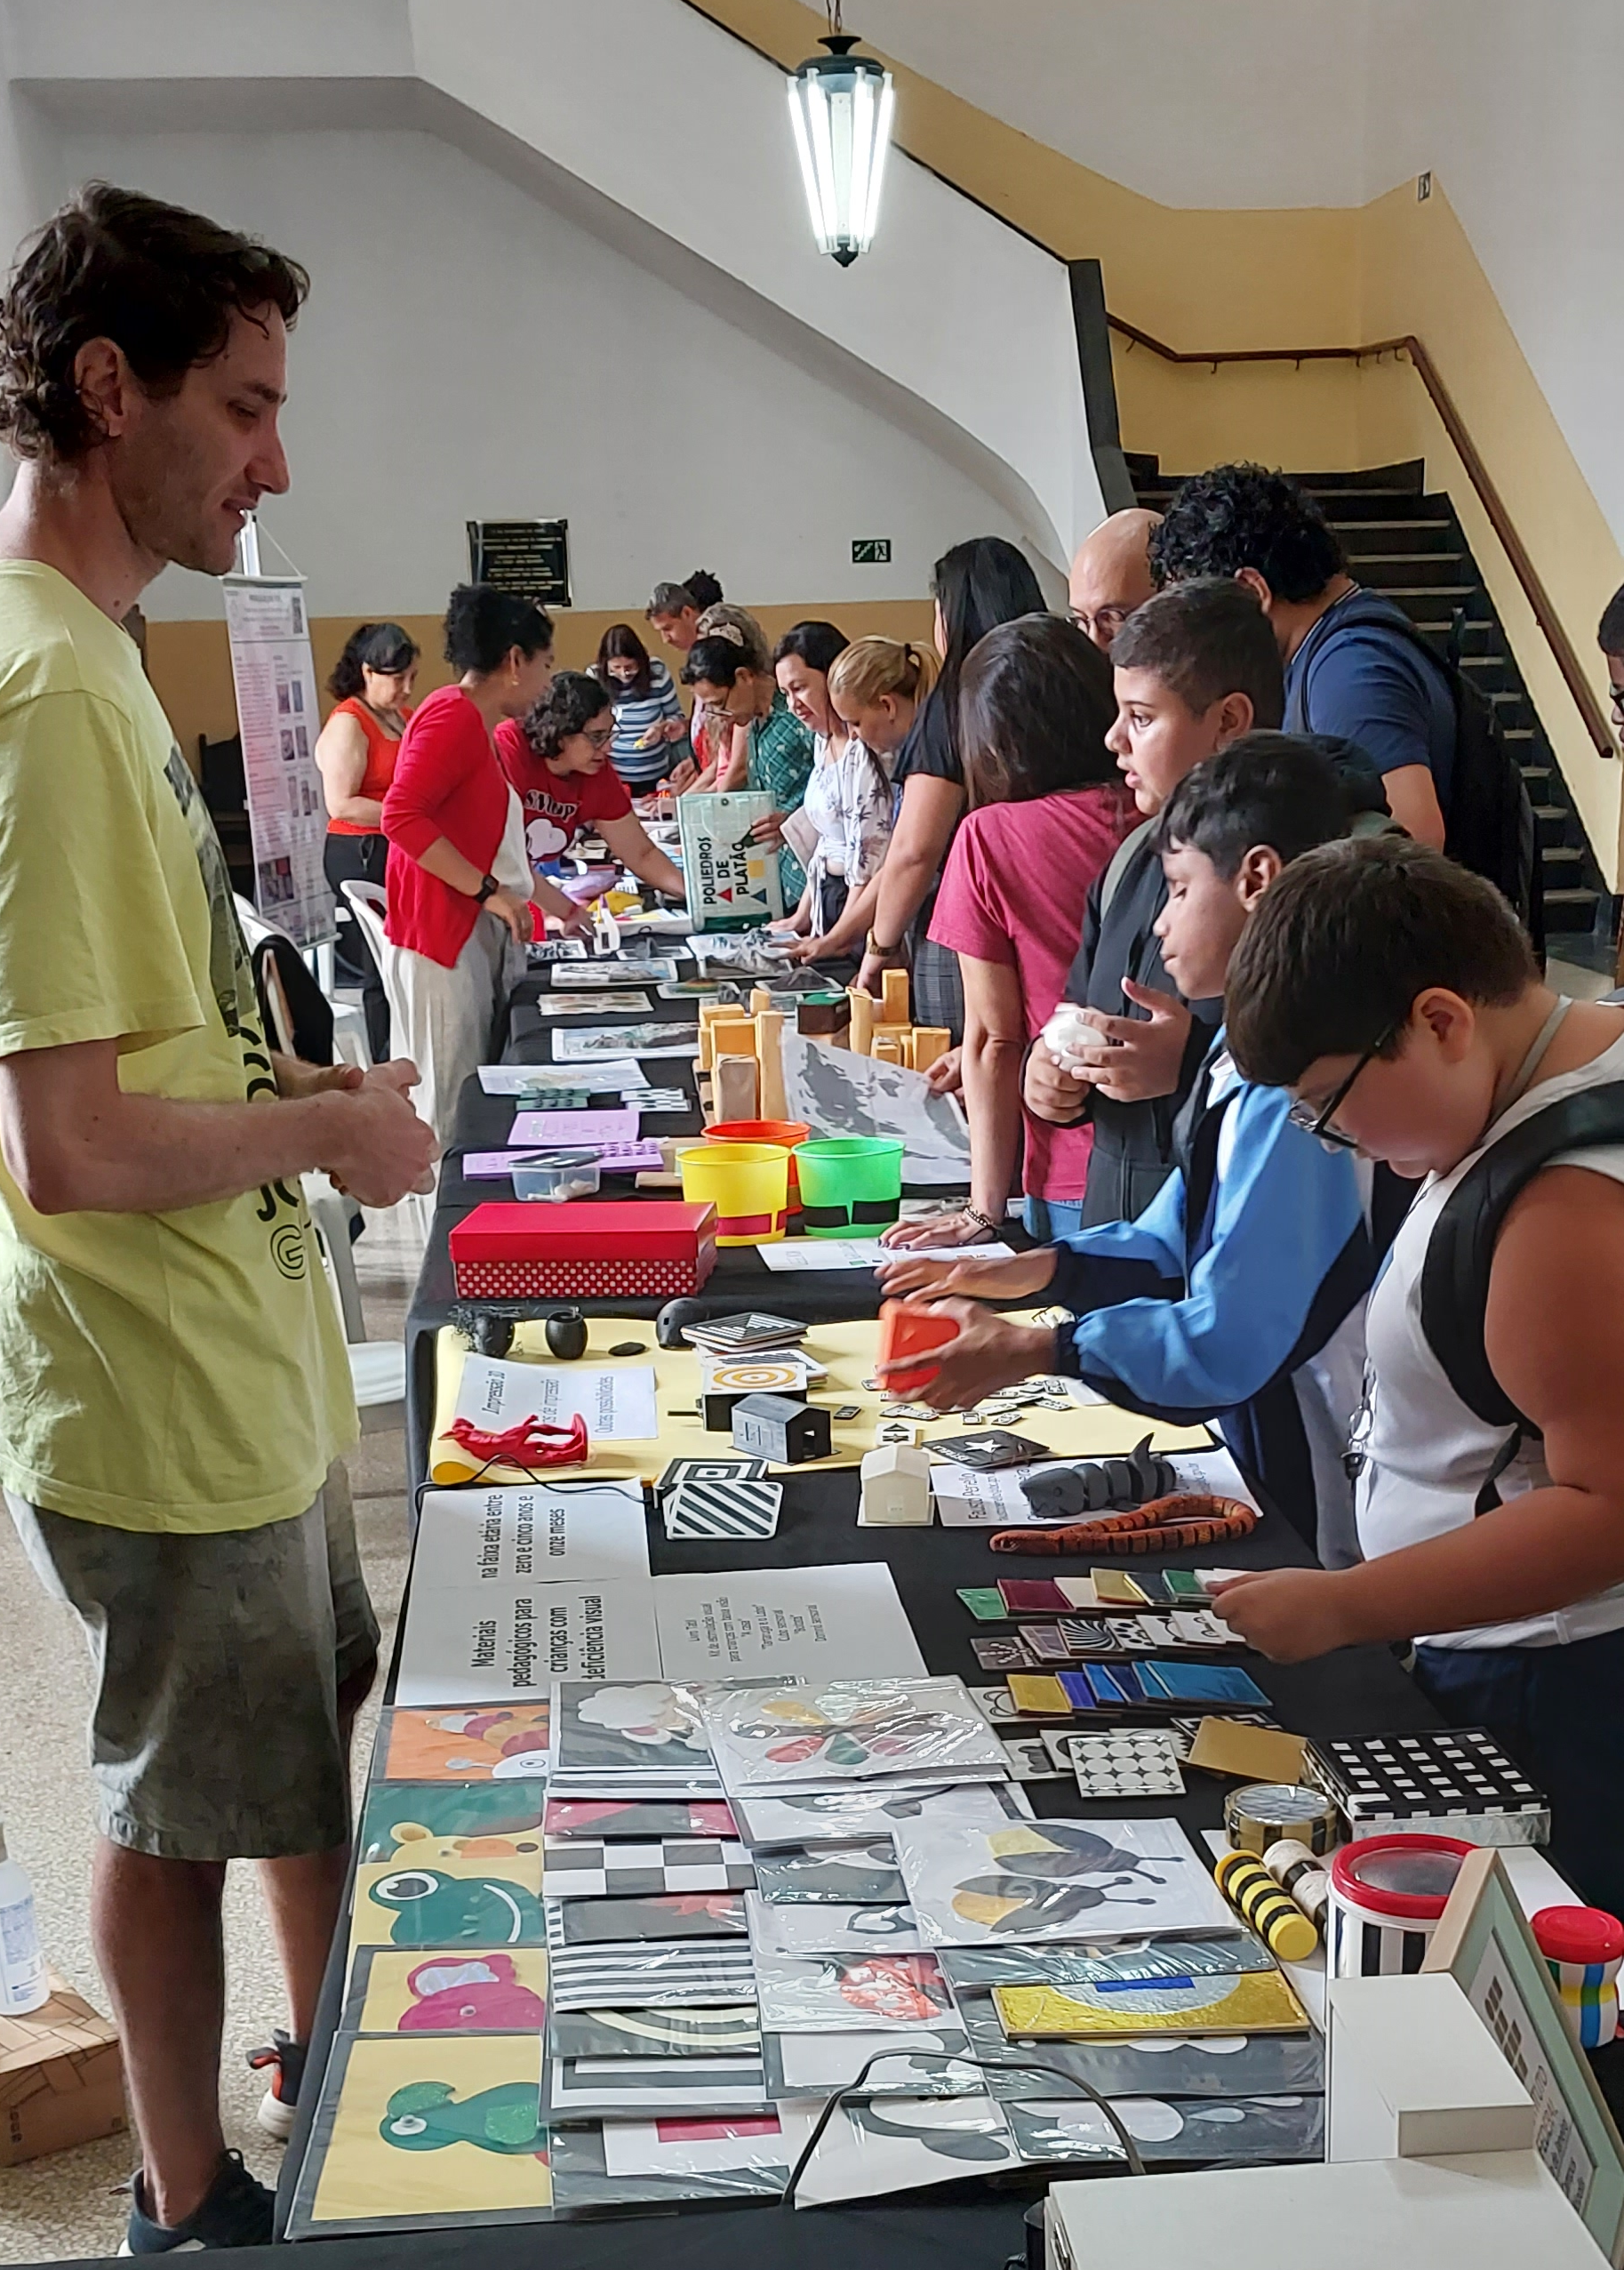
[[849, 1350], [574, 1868], [746, 1509], [1129, 1763], [1449, 1771]]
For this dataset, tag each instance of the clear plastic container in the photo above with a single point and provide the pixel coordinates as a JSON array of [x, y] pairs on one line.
[[559, 1175]]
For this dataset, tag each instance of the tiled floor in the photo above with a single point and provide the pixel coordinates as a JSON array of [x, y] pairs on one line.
[[65, 2206]]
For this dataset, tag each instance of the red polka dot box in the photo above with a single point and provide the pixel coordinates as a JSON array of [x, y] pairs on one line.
[[639, 1249]]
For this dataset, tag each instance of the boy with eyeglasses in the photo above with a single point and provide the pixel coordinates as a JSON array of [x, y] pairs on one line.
[[1237, 1295], [1396, 998]]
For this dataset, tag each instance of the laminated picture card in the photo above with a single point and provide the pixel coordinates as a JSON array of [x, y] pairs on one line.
[[857, 1729], [1054, 1880]]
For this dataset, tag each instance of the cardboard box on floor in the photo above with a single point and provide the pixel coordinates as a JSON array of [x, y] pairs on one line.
[[62, 2078]]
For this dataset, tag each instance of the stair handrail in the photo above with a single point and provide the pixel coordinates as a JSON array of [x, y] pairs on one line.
[[1454, 425]]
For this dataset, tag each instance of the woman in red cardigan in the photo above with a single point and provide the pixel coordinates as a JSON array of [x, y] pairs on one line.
[[459, 881]]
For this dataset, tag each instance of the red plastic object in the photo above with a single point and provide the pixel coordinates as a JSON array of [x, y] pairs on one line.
[[639, 1249], [1578, 1935], [906, 1330]]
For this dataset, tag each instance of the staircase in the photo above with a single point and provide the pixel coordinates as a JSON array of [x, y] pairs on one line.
[[1404, 541]]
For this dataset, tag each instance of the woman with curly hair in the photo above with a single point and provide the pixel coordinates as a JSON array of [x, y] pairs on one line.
[[558, 759], [355, 753]]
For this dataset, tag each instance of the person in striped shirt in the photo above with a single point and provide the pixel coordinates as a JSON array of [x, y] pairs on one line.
[[649, 722]]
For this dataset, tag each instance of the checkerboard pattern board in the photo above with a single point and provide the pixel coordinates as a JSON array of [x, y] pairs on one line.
[[1449, 1771], [576, 1868]]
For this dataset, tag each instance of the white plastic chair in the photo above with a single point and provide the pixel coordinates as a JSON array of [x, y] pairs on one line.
[[369, 902], [377, 1367], [349, 1043]]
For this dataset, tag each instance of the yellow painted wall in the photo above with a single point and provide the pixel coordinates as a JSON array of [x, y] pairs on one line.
[[1314, 276], [189, 663]]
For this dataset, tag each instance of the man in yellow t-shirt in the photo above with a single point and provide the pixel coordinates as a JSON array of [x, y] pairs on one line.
[[173, 1389]]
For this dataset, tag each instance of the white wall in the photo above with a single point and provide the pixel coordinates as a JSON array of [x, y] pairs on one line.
[[1513, 104], [1194, 102], [467, 353]]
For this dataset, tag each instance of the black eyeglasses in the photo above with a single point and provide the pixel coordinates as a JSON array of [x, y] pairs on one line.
[[1318, 1122]]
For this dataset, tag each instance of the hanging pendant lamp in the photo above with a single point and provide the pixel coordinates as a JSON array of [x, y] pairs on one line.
[[840, 106]]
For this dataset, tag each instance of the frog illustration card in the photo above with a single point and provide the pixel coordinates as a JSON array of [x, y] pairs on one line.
[[501, 1742], [463, 1903], [459, 1990], [414, 2131], [446, 1820]]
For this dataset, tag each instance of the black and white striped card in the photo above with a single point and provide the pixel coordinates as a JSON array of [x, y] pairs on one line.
[[722, 1509], [649, 1976]]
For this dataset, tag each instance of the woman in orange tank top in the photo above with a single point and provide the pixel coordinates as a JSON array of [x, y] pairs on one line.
[[372, 683]]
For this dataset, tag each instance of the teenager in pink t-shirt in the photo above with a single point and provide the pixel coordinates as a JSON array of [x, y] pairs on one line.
[[1047, 810]]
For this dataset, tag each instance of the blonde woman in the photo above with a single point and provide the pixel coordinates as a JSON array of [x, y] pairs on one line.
[[869, 693]]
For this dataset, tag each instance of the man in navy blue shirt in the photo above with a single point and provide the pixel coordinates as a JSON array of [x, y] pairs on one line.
[[1352, 668]]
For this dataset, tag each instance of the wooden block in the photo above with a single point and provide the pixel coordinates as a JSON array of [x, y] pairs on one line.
[[887, 1049], [769, 1053], [895, 1008], [703, 1062], [733, 1036], [861, 1034], [737, 1088], [648, 1180], [931, 1041], [760, 999]]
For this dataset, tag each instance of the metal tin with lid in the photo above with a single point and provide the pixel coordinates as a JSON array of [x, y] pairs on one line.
[[1264, 1811]]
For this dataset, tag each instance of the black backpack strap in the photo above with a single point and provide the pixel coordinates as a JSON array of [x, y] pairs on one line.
[[1460, 1251]]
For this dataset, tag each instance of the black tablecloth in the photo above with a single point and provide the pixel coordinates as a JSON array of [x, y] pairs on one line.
[[1358, 1690]]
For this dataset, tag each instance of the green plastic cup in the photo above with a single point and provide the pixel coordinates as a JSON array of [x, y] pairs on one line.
[[850, 1185]]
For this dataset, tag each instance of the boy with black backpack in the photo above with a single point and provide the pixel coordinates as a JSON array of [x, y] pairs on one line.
[[1356, 668], [1397, 998]]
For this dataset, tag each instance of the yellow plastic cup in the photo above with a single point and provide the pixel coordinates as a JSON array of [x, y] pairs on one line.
[[747, 1183]]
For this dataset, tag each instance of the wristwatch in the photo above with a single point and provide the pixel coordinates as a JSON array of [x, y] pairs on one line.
[[488, 887]]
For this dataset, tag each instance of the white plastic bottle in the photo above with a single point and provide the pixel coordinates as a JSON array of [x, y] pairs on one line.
[[24, 1984]]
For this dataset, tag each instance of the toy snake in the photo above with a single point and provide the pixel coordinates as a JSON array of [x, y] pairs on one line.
[[1166, 1525]]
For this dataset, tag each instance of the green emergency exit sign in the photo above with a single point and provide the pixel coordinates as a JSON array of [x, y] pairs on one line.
[[871, 552]]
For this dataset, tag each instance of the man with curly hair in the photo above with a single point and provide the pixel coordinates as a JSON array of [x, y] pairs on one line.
[[174, 1395], [1354, 670]]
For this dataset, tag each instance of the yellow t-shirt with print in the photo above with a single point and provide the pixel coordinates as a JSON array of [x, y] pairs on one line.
[[180, 1371]]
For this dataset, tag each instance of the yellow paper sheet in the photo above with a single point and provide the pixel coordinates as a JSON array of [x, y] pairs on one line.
[[1255, 2003], [459, 1990], [435, 2124], [848, 1350]]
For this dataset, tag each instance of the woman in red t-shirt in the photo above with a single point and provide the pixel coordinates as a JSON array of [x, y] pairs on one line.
[[558, 759], [458, 881], [1047, 809], [355, 754]]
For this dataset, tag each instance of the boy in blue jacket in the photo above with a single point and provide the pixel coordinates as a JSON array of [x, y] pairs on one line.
[[1237, 1295]]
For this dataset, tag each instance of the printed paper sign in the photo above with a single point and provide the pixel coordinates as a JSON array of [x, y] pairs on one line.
[[461, 1647], [617, 1406], [843, 1621], [480, 1540]]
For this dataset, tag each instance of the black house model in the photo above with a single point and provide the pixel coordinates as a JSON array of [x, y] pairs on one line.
[[776, 1427]]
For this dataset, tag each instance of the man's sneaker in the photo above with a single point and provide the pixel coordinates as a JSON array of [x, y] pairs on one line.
[[285, 2063], [238, 2211]]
